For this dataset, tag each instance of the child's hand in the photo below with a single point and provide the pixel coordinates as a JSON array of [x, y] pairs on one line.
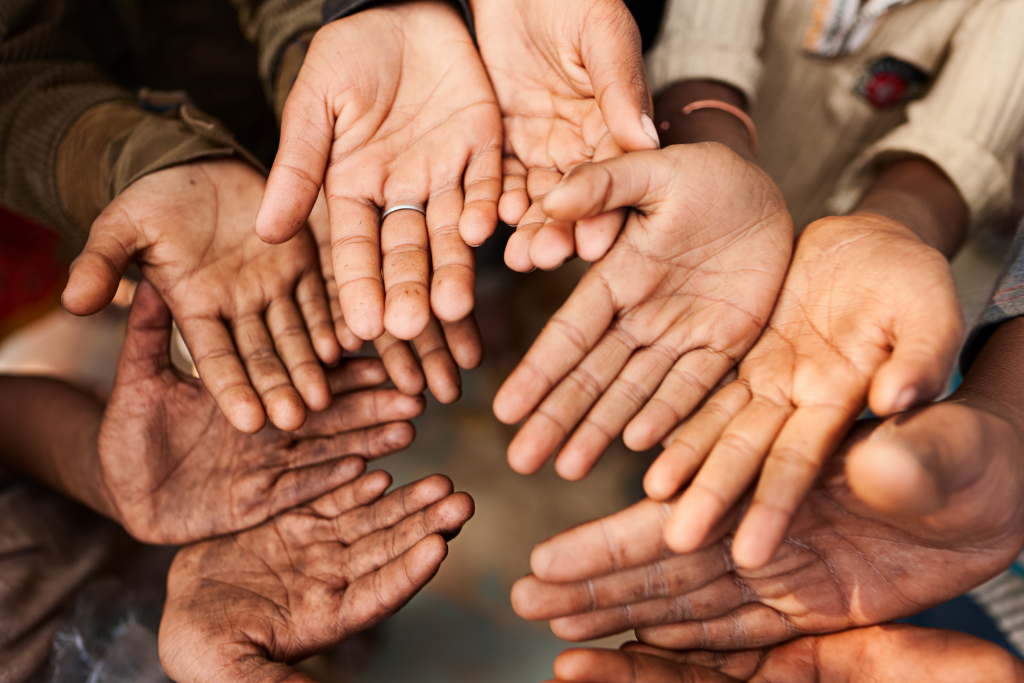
[[246, 605], [868, 315], [392, 107], [572, 87], [175, 471], [430, 360], [254, 317], [681, 296]]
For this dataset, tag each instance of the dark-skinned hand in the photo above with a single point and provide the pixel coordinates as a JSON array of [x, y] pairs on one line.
[[912, 512], [255, 318], [868, 315], [894, 653], [392, 106], [173, 470], [241, 607], [657, 322]]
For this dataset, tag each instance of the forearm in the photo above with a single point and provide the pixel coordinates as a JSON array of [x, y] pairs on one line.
[[997, 375], [915, 193], [703, 125], [49, 432]]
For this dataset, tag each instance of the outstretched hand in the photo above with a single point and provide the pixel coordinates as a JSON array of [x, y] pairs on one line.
[[175, 471], [254, 317], [868, 315], [572, 87], [392, 107], [240, 608], [655, 324], [893, 653], [945, 515], [431, 360]]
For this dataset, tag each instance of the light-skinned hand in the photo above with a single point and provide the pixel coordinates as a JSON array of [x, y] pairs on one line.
[[392, 106], [241, 607], [657, 322], [572, 87], [943, 515], [254, 317], [894, 653], [868, 315], [173, 470], [432, 360]]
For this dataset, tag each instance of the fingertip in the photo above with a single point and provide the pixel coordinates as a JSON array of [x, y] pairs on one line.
[[532, 446], [758, 537], [657, 485], [517, 253], [285, 409], [406, 317], [551, 247], [450, 300], [573, 465], [399, 436], [89, 289], [513, 205]]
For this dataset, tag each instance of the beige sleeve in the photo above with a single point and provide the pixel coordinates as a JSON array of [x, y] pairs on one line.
[[971, 121], [716, 40], [272, 25]]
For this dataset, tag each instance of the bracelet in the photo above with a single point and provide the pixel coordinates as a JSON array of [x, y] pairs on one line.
[[726, 107]]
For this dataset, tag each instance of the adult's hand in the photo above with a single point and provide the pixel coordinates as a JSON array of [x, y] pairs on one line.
[[239, 608], [174, 471], [254, 317], [431, 360], [868, 314], [945, 515], [572, 87], [880, 654], [655, 324], [392, 107]]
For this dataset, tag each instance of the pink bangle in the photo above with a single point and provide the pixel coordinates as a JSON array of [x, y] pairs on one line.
[[726, 107]]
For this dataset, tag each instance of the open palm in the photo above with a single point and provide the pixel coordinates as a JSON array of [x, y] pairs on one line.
[[657, 322], [868, 314], [239, 608], [175, 471], [572, 87], [946, 515], [392, 107], [254, 317]]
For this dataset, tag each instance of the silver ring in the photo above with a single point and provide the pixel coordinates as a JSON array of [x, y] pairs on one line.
[[403, 207]]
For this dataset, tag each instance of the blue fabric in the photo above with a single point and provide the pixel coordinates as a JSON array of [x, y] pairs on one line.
[[963, 615]]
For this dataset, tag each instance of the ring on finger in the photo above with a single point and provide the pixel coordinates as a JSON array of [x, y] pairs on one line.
[[404, 207]]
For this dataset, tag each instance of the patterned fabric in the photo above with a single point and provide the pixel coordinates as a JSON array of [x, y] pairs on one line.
[[839, 27], [1007, 302], [1002, 599]]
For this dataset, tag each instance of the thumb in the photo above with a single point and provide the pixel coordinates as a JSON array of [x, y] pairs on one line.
[[613, 58], [594, 189], [307, 131], [146, 350], [915, 464], [926, 345], [97, 271]]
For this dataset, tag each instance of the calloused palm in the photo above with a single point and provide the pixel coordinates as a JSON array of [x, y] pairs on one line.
[[946, 515], [572, 87], [893, 653], [868, 314], [440, 350], [392, 107], [250, 314], [657, 322], [240, 608], [173, 470]]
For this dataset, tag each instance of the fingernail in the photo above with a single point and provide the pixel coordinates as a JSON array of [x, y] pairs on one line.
[[649, 128], [905, 400]]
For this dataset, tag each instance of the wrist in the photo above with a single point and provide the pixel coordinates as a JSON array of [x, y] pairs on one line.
[[703, 125], [996, 378]]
